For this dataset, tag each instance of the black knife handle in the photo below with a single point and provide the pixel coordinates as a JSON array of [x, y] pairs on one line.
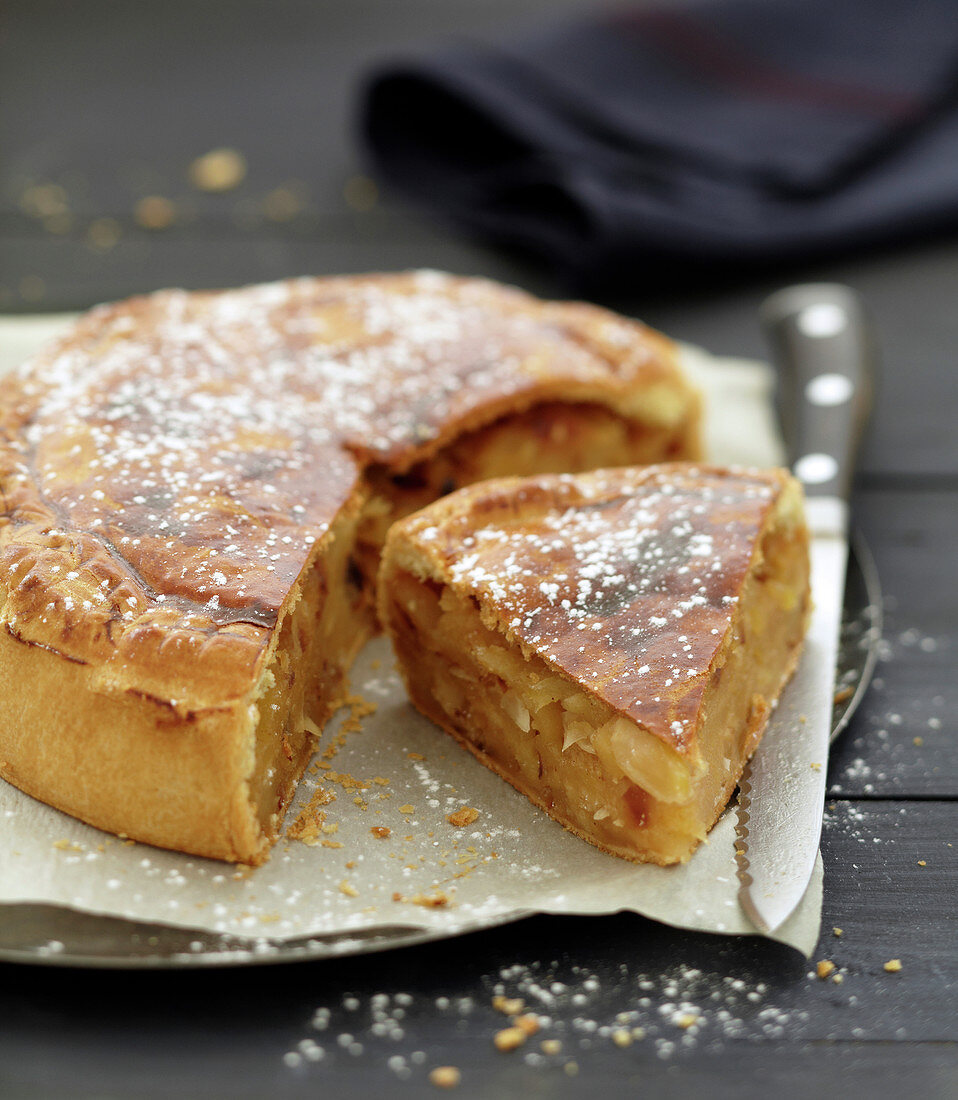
[[823, 345]]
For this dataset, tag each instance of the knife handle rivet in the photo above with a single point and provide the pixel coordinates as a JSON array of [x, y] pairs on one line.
[[814, 469], [822, 319], [828, 390]]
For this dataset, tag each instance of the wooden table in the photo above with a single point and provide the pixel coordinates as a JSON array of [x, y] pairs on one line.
[[112, 102]]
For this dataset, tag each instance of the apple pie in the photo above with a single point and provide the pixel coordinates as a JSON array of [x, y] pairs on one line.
[[194, 493], [611, 643]]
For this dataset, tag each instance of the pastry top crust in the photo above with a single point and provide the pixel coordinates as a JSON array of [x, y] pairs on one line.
[[169, 467], [626, 580]]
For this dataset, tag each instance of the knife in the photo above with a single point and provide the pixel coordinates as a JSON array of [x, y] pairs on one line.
[[823, 346]]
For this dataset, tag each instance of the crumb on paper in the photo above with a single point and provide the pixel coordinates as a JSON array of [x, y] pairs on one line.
[[310, 823], [824, 968], [346, 781], [445, 1077], [380, 832], [893, 966], [436, 900], [836, 931], [509, 1038], [408, 808], [463, 817], [359, 708], [218, 170], [348, 889], [415, 756], [154, 212]]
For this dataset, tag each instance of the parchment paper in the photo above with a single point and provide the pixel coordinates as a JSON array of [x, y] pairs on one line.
[[396, 772]]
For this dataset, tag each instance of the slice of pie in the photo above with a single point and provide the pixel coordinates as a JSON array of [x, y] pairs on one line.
[[194, 491], [612, 643]]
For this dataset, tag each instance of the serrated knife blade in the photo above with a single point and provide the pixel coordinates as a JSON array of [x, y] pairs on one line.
[[824, 349]]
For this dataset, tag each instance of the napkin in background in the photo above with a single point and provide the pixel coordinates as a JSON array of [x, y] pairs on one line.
[[723, 132]]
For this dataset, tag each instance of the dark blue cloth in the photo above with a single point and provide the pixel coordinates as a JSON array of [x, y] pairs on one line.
[[728, 132]]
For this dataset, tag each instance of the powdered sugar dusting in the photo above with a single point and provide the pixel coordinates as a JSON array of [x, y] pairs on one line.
[[626, 580], [197, 446]]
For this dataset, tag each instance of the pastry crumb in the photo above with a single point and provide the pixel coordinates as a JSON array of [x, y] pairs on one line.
[[528, 1023], [408, 808], [892, 966], [445, 1077], [348, 889], [310, 823], [550, 1046], [380, 832], [508, 1006], [463, 817], [824, 968], [836, 931], [686, 1020], [218, 170], [437, 900], [154, 212], [510, 1038]]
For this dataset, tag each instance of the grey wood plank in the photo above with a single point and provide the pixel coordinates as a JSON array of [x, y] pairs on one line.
[[902, 743], [114, 100]]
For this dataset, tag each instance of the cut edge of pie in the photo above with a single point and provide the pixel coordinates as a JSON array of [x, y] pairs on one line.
[[638, 765]]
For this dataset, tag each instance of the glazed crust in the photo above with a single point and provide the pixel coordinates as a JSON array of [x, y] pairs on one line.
[[173, 467], [623, 579]]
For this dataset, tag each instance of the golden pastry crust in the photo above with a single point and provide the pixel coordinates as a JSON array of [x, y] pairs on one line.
[[174, 468], [670, 600]]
